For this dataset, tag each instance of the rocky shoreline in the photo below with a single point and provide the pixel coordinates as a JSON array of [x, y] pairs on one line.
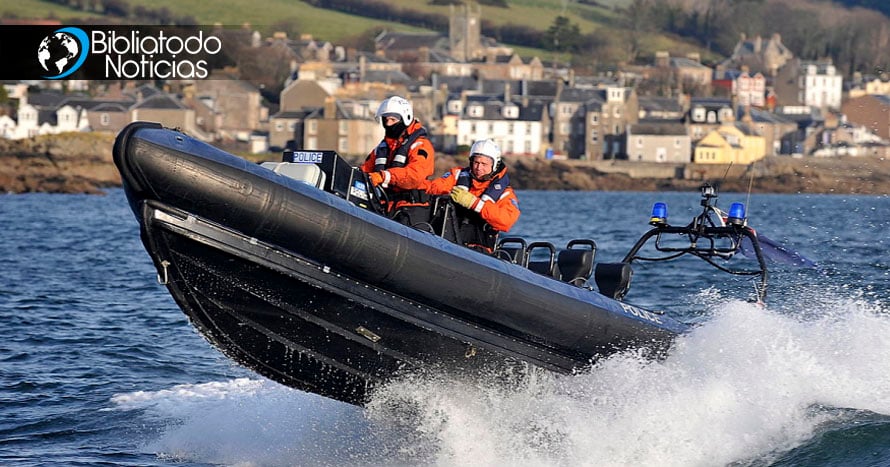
[[82, 163]]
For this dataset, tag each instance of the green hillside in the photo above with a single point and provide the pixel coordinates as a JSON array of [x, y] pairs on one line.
[[607, 31], [334, 26], [322, 24]]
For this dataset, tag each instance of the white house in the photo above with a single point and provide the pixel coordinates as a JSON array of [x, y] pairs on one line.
[[820, 85], [33, 122], [517, 127]]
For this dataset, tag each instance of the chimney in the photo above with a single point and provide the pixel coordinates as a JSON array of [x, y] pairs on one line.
[[330, 108]]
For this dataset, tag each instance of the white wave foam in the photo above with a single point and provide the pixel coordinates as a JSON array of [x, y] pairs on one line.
[[746, 383]]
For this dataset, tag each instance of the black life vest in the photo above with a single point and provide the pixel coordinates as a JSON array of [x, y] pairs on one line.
[[400, 158], [471, 229]]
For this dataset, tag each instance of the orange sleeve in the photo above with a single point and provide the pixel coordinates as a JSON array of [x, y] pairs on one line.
[[443, 185], [420, 166], [368, 165], [502, 213]]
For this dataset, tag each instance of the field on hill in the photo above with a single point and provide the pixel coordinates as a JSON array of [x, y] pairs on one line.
[[335, 26], [322, 24]]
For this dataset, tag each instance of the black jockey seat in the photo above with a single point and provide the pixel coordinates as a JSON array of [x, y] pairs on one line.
[[512, 249], [613, 279], [576, 261], [546, 266]]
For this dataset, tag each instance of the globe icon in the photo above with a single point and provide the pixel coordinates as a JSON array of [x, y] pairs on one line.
[[57, 52]]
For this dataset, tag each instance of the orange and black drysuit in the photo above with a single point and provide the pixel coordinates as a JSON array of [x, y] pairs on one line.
[[406, 163], [495, 210]]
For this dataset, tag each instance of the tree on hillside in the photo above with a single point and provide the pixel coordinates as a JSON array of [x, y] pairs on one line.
[[266, 67], [562, 36], [638, 22], [363, 41]]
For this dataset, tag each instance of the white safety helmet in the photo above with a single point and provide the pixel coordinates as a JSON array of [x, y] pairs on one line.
[[487, 148], [396, 105]]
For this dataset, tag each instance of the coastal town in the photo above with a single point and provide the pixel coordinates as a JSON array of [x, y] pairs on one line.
[[761, 101]]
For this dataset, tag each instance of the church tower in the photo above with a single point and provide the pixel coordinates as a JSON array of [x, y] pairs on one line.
[[465, 32]]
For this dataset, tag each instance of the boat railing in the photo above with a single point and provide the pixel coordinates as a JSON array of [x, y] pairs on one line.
[[573, 265], [713, 236], [543, 263], [512, 249]]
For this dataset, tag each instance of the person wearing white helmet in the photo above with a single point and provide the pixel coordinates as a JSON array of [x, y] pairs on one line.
[[487, 204], [403, 161]]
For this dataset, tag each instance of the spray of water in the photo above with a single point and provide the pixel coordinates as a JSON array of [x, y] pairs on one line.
[[745, 386]]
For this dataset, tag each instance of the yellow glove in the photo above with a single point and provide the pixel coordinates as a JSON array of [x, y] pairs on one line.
[[376, 178], [463, 197]]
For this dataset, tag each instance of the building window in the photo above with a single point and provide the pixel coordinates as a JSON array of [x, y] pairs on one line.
[[475, 110], [311, 142], [279, 126], [313, 127], [594, 118], [291, 126], [528, 147], [343, 126], [105, 119], [677, 143], [343, 145], [565, 128], [698, 114], [639, 141], [594, 136]]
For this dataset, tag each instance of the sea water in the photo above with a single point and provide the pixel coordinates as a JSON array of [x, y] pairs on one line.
[[99, 367]]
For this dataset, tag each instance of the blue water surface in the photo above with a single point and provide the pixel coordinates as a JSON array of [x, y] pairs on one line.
[[99, 367]]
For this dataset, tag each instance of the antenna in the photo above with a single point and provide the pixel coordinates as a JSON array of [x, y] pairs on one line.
[[726, 172], [750, 184]]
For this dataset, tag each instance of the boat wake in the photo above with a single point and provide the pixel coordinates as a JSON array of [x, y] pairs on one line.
[[745, 387]]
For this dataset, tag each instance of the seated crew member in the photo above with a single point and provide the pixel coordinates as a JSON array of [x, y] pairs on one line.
[[486, 204], [403, 161]]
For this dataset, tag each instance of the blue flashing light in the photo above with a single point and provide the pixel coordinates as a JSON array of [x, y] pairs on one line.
[[736, 214], [659, 214]]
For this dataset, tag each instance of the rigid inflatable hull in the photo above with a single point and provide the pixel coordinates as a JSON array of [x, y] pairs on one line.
[[305, 288]]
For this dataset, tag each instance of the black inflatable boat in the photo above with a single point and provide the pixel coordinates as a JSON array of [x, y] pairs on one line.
[[288, 270]]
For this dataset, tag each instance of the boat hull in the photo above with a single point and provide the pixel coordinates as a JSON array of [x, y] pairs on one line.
[[312, 291]]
